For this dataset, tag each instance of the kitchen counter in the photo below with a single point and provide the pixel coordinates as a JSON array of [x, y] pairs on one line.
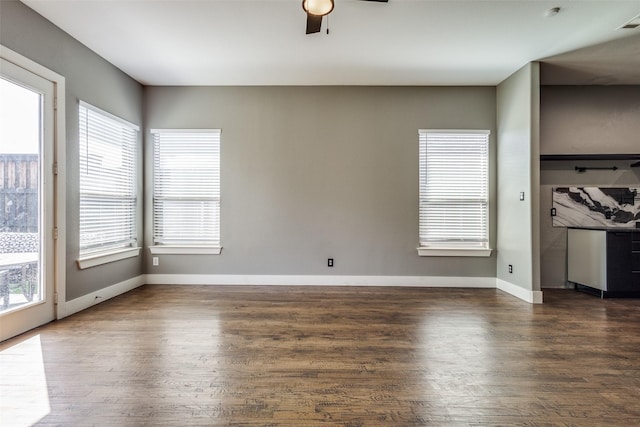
[[616, 229]]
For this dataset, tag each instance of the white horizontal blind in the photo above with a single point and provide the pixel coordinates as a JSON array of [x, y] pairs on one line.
[[186, 187], [107, 181], [454, 188]]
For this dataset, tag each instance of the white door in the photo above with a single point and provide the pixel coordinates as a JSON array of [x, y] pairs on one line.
[[26, 200]]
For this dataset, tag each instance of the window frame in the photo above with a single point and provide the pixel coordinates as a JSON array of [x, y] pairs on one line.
[[210, 246], [126, 248], [454, 247]]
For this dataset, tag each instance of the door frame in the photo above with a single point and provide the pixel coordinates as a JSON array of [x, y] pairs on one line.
[[58, 168]]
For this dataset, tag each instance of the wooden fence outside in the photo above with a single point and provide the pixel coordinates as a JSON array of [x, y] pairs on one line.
[[19, 177]]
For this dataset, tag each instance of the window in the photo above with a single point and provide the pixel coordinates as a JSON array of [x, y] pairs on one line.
[[186, 191], [107, 184], [454, 192]]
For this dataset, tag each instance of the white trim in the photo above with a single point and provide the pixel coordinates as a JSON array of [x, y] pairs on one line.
[[533, 297], [17, 308], [480, 131], [308, 280], [109, 115], [422, 251], [185, 250], [34, 67], [86, 301], [216, 131], [93, 260], [60, 202]]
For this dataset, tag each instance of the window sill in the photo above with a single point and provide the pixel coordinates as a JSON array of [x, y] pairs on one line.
[[107, 257], [185, 250], [471, 252]]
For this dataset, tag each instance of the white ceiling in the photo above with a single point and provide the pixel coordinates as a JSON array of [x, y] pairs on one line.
[[403, 42]]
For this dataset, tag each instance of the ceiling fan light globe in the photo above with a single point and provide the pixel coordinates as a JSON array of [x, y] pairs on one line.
[[317, 7]]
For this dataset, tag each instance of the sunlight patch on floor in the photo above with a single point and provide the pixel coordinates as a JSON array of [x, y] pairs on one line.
[[23, 384]]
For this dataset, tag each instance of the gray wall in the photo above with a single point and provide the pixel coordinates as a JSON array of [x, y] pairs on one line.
[[518, 168], [590, 120], [310, 173], [307, 172], [90, 78], [582, 120]]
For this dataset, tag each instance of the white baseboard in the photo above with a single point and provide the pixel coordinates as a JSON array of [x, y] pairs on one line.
[[533, 297], [307, 280], [70, 307]]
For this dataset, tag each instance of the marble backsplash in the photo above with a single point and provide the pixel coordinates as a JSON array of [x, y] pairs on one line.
[[596, 206]]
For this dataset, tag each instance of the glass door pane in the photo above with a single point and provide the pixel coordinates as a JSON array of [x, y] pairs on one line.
[[21, 130], [27, 194]]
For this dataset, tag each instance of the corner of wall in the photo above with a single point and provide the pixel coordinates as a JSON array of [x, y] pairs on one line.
[[517, 104], [67, 308], [535, 176], [533, 297]]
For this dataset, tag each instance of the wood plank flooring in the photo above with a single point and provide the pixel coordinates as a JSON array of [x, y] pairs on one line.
[[316, 356]]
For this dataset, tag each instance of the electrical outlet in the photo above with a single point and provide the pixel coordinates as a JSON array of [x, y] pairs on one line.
[[156, 261], [510, 268], [553, 211], [330, 262], [522, 195]]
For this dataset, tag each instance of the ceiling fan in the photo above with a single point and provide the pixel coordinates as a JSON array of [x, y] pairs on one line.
[[316, 9]]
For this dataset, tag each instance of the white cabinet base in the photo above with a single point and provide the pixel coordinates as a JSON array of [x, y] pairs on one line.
[[587, 258]]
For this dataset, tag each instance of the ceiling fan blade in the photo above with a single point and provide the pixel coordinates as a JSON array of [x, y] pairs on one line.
[[314, 23]]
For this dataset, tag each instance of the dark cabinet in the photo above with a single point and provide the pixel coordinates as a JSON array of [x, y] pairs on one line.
[[620, 260], [635, 258]]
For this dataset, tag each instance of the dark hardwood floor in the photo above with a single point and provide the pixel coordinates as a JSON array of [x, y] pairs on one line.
[[353, 356]]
